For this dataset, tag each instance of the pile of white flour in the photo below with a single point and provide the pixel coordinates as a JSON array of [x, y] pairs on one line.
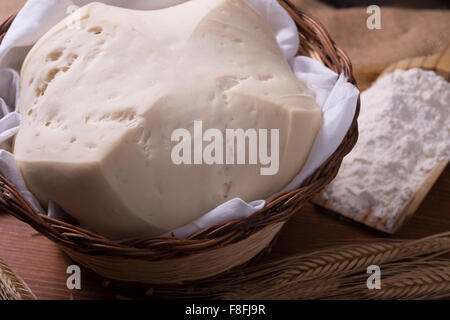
[[404, 131]]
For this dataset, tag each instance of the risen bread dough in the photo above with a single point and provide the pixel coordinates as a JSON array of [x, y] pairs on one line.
[[100, 103]]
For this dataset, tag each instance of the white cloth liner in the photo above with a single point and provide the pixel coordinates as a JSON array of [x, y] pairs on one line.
[[334, 94]]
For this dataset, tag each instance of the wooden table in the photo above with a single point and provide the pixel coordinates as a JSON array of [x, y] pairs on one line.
[[43, 267]]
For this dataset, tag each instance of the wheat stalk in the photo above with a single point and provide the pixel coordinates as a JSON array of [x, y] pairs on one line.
[[327, 273], [354, 257], [11, 286], [406, 280], [424, 283]]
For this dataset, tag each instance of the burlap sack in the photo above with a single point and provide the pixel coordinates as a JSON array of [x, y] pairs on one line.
[[405, 33]]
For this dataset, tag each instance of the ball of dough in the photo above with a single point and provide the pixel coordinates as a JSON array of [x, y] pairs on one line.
[[101, 96]]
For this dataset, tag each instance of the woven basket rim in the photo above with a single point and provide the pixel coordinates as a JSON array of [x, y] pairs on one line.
[[317, 43]]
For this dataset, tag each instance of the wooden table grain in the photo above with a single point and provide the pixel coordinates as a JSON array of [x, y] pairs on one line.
[[43, 266]]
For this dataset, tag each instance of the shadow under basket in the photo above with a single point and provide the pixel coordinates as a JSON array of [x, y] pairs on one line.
[[208, 252]]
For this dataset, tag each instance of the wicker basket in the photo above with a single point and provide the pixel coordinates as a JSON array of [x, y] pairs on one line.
[[211, 251]]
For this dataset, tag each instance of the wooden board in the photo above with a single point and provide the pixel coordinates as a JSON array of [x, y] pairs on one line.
[[440, 63], [383, 223]]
